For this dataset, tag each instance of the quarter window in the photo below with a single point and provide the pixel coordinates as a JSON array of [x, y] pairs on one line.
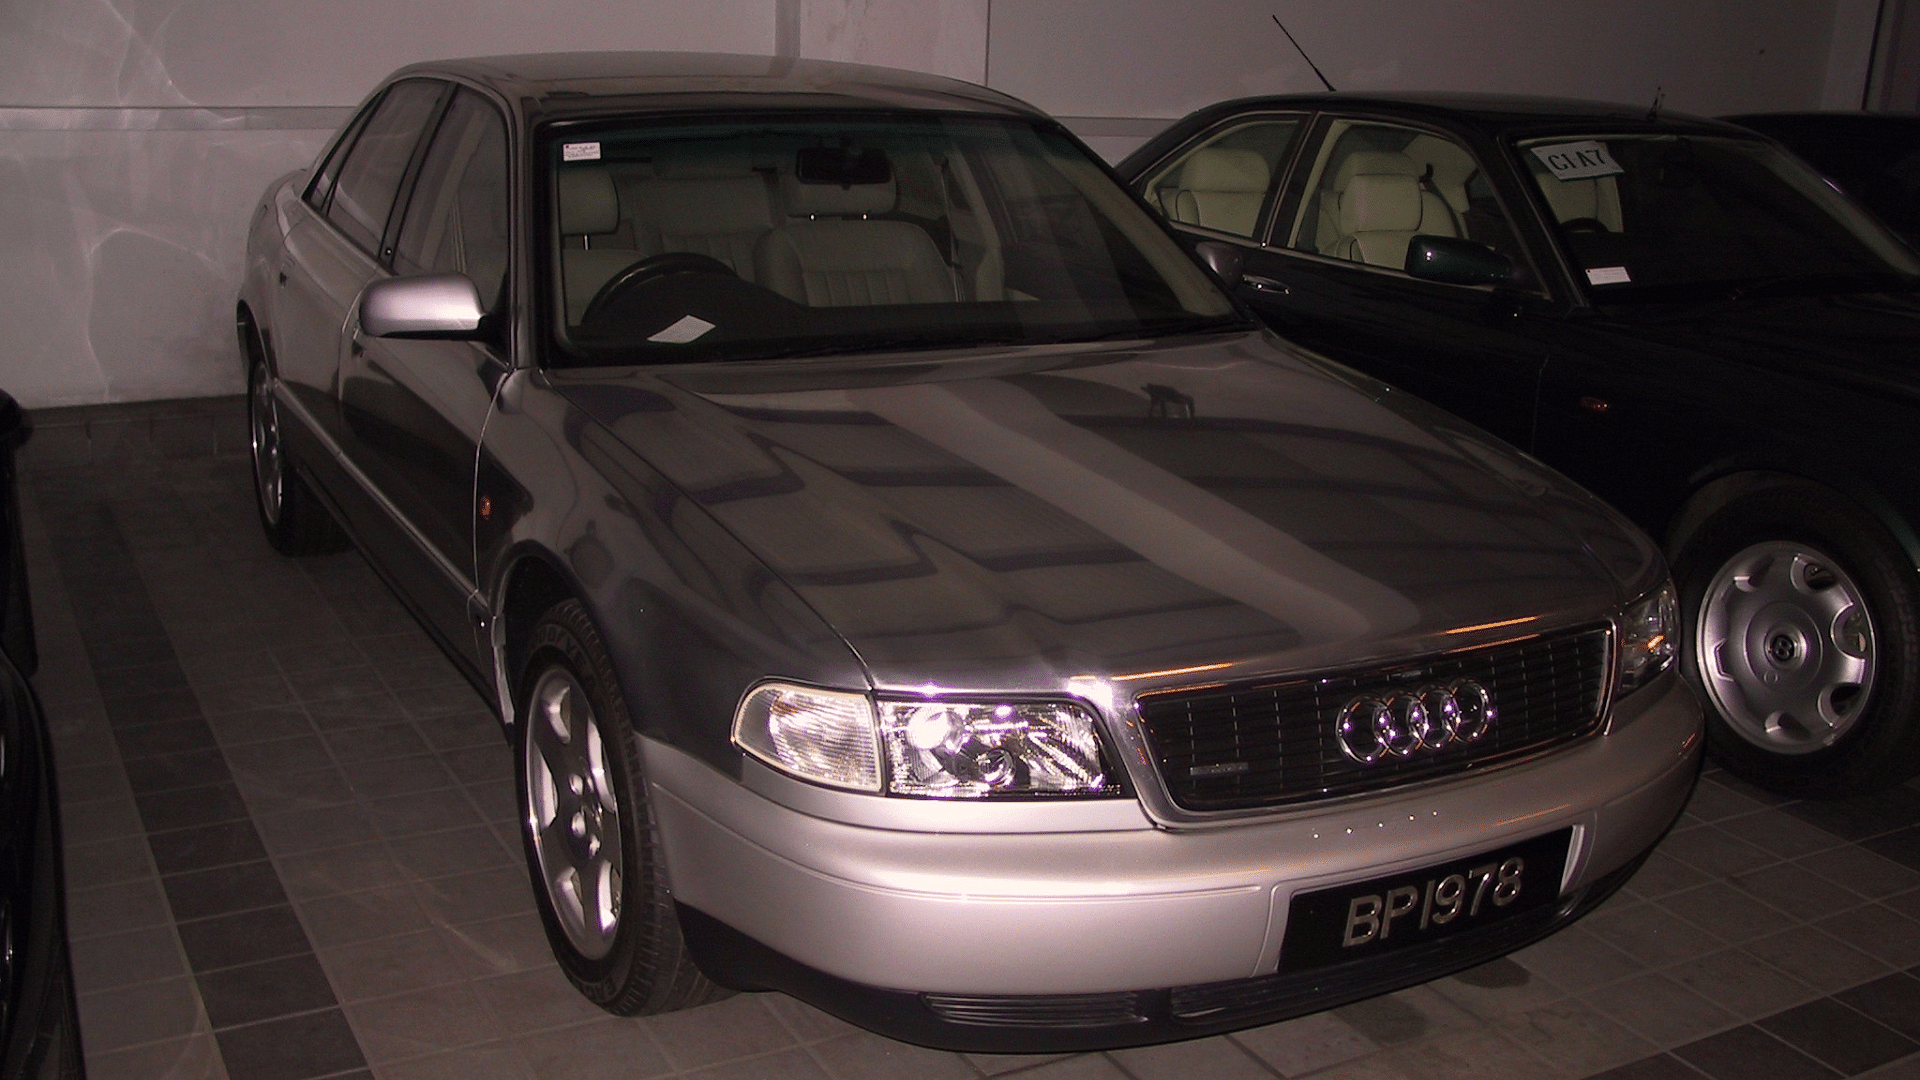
[[457, 220], [371, 174], [1222, 183], [1377, 186]]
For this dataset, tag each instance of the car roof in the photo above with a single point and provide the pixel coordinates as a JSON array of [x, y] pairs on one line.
[[1515, 114], [553, 85]]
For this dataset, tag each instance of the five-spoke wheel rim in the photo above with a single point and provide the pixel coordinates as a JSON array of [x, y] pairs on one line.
[[267, 470], [573, 813], [1785, 647]]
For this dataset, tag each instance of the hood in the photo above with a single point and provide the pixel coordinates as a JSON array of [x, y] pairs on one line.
[[1014, 519], [1870, 341]]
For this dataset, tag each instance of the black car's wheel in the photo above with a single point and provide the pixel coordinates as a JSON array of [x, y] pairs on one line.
[[592, 844], [1803, 636], [295, 521]]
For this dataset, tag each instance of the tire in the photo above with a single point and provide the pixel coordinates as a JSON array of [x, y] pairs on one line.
[[1803, 637], [294, 519], [592, 843]]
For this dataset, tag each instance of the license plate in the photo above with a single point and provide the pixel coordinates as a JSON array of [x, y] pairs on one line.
[[1368, 918]]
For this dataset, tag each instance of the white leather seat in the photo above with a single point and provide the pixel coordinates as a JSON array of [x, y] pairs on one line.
[[713, 204], [1222, 189], [828, 254], [589, 207], [1381, 205]]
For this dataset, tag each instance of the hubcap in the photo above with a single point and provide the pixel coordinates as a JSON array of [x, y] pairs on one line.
[[1785, 647], [266, 445], [573, 813]]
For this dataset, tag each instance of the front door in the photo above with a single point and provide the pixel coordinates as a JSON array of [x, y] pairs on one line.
[[413, 411]]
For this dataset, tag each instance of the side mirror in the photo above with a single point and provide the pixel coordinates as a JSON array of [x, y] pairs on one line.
[[1456, 261], [443, 307], [1224, 261]]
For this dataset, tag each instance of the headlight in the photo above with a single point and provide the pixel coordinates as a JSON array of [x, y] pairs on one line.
[[933, 747], [952, 749], [1649, 638], [821, 735]]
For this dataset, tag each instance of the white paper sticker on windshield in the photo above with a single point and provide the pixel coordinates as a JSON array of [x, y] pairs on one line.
[[580, 151], [1577, 160], [1608, 275], [689, 328]]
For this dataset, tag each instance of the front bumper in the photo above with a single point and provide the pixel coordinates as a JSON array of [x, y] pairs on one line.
[[830, 910]]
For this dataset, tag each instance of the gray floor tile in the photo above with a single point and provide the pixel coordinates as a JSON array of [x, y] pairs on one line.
[[1202, 1059], [607, 1048], [194, 1057], [142, 1013], [1661, 1010], [1741, 983], [111, 961], [738, 1027], [1817, 959], [428, 1021], [1574, 1037]]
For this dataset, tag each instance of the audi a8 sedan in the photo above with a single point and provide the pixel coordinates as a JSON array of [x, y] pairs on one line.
[[1675, 312], [909, 582]]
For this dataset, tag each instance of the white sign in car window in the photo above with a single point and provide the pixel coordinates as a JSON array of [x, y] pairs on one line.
[[689, 328], [580, 151], [1578, 160]]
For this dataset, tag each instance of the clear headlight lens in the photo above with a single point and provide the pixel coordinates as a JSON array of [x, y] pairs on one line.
[[1649, 638], [826, 736], [950, 749]]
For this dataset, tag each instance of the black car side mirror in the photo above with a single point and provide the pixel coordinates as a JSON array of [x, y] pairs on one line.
[[1223, 261], [1456, 262], [433, 306]]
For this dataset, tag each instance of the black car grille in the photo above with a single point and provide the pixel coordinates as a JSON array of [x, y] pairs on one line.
[[1268, 744]]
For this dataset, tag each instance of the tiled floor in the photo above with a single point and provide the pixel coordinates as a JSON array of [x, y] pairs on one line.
[[290, 856]]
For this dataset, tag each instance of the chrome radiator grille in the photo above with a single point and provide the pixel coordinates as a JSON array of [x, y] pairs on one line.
[[1240, 746]]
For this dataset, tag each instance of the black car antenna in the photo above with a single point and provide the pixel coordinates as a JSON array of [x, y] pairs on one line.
[[1659, 96], [1303, 54]]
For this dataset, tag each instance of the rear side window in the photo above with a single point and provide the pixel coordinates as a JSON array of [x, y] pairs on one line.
[[371, 173], [457, 219]]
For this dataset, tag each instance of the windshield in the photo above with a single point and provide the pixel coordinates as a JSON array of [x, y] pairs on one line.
[[1653, 217], [736, 238]]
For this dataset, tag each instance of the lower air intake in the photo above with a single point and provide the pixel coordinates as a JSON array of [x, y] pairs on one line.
[[1049, 1011]]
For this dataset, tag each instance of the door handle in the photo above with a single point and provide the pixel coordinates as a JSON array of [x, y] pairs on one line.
[[1267, 284]]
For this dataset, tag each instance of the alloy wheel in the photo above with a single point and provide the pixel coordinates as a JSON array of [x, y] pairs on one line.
[[268, 469], [1785, 647], [573, 813]]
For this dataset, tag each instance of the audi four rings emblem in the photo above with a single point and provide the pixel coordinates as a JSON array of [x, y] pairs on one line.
[[1408, 722]]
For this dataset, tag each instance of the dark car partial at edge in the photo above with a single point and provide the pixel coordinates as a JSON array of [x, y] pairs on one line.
[[910, 583], [1672, 311], [39, 1023]]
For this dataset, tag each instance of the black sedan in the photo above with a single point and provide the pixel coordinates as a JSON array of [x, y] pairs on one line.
[[1673, 311], [39, 1032]]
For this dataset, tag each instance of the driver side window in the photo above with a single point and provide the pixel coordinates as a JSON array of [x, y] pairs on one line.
[[1377, 186], [1222, 182]]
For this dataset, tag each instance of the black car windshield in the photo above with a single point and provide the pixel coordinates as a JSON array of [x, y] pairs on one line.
[[742, 238], [1676, 217]]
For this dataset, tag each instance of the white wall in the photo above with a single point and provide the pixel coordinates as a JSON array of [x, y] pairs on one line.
[[135, 134]]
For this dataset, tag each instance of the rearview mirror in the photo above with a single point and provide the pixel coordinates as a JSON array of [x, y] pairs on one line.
[[434, 306], [1455, 261]]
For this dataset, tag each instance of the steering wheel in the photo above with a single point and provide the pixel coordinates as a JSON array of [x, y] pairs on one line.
[[1585, 224], [651, 269]]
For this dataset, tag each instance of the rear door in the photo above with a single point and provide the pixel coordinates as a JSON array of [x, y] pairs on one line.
[[413, 411]]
